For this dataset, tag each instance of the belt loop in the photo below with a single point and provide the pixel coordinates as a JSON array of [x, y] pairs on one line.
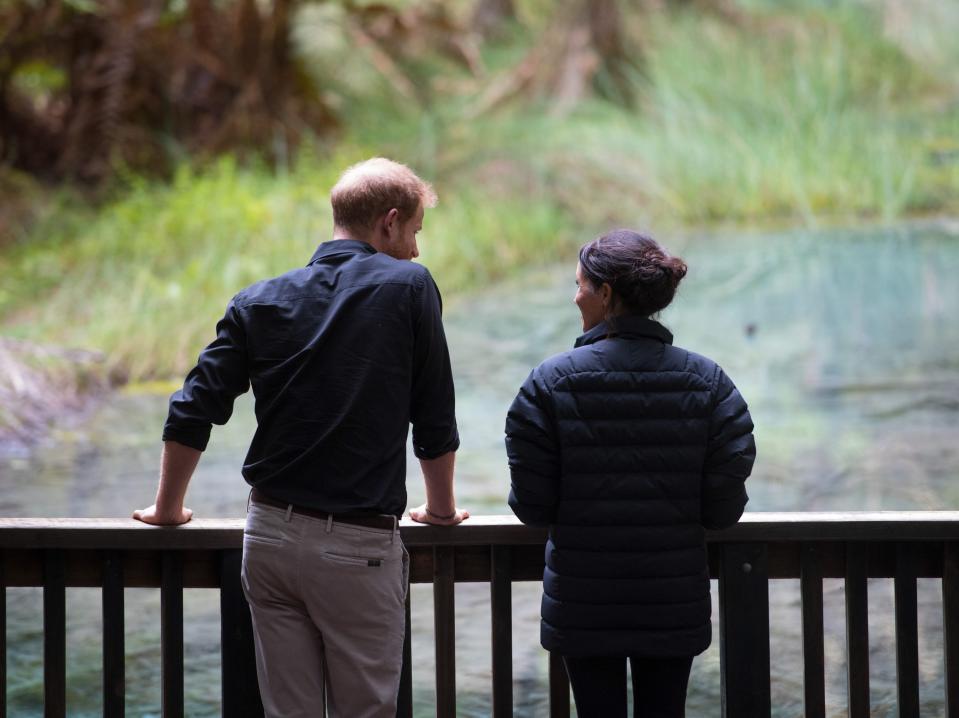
[[396, 530], [289, 512], [329, 523], [249, 498]]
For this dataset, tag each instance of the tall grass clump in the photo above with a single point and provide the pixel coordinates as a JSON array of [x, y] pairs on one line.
[[792, 112], [144, 279], [471, 240], [810, 118]]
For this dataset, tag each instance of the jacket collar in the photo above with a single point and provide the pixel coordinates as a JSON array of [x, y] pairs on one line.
[[341, 246], [627, 327]]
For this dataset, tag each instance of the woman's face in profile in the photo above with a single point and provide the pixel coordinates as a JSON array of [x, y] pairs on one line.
[[591, 300]]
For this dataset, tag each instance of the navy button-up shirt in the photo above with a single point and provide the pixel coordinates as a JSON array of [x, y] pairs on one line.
[[342, 356]]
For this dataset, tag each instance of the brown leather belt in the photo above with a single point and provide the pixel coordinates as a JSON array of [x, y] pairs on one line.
[[376, 521]]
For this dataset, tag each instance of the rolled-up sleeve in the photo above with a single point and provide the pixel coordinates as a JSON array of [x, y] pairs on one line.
[[433, 403], [532, 449], [730, 454], [220, 375]]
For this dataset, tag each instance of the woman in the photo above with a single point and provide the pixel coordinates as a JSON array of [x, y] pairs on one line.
[[628, 448]]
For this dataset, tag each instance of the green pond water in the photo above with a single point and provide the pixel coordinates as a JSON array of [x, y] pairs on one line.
[[844, 343]]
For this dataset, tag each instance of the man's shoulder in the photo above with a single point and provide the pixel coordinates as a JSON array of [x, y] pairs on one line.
[[402, 269], [272, 288], [370, 269], [381, 270]]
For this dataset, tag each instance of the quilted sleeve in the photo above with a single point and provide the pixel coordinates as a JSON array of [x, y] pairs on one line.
[[730, 454], [532, 448]]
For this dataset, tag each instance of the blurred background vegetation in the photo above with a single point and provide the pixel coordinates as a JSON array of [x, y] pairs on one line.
[[158, 156]]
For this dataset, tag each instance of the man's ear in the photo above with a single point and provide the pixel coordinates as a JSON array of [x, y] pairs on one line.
[[391, 219]]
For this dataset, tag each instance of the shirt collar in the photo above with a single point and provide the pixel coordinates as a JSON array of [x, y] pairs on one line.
[[341, 246], [626, 327]]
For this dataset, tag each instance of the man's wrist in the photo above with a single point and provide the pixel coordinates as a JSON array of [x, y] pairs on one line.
[[440, 517], [167, 509]]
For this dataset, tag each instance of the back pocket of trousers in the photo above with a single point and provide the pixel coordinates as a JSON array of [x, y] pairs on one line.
[[362, 561], [262, 540]]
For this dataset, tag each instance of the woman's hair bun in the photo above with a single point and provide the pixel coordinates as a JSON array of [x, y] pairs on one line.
[[675, 266], [641, 273]]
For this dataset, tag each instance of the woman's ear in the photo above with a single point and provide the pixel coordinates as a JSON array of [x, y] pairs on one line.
[[606, 293]]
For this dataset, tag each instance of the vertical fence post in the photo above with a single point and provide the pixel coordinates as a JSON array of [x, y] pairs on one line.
[[240, 690], [744, 631], [907, 633], [813, 650], [114, 679], [558, 687], [54, 635], [857, 630], [950, 621], [3, 635], [171, 634], [501, 614], [444, 629], [404, 704]]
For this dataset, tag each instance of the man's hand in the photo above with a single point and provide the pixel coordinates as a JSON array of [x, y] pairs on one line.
[[150, 515], [438, 476], [176, 467], [423, 515]]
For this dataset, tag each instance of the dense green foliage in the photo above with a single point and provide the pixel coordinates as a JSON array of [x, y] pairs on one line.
[[145, 278], [797, 118], [785, 113]]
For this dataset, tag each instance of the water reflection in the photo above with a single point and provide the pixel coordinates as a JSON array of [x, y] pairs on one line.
[[846, 345]]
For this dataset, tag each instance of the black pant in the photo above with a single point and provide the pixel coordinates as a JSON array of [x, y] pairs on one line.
[[659, 686]]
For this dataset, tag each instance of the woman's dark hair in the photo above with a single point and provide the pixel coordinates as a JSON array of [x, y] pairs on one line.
[[642, 275]]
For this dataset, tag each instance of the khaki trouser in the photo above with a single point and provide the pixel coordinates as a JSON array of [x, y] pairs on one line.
[[328, 606]]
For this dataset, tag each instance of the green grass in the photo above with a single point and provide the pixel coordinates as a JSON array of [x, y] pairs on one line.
[[798, 116], [145, 278], [800, 112], [817, 117], [796, 113]]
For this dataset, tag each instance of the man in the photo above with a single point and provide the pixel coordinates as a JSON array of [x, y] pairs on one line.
[[342, 356]]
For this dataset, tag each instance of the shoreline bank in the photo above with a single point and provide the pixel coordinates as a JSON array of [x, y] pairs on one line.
[[42, 385]]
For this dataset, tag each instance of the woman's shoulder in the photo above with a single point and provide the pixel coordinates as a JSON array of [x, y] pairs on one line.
[[554, 368], [699, 365], [591, 358], [693, 361]]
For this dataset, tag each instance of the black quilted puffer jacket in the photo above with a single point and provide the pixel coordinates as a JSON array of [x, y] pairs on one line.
[[628, 449]]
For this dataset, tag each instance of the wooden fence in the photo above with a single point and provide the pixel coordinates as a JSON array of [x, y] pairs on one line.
[[114, 554]]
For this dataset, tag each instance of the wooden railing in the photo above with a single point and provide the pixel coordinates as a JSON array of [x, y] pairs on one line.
[[113, 554]]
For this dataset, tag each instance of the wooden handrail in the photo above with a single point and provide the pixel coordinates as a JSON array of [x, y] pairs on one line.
[[208, 533], [205, 553]]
